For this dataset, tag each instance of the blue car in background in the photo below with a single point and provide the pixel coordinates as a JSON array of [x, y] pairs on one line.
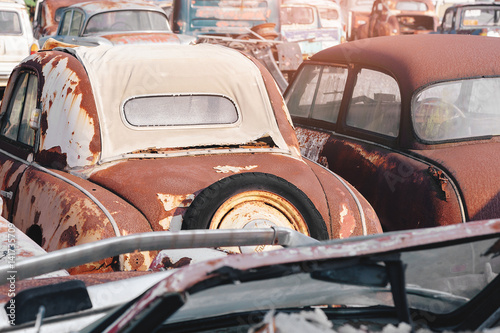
[[315, 25]]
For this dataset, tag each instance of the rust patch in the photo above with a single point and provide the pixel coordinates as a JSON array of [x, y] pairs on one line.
[[137, 261], [69, 236], [168, 264], [52, 158], [44, 124]]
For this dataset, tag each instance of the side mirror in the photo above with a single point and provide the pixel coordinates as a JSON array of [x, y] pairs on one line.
[[35, 119]]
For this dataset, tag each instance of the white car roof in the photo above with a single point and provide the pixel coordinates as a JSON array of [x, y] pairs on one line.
[[118, 73]]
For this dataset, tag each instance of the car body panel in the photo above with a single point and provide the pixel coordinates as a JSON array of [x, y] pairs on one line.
[[410, 182]]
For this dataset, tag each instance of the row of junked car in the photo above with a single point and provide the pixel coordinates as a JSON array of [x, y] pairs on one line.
[[199, 137], [84, 160]]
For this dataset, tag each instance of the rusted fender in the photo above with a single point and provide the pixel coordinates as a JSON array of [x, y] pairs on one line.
[[173, 182], [350, 213], [63, 216]]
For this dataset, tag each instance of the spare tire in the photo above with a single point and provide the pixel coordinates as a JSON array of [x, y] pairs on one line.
[[254, 200]]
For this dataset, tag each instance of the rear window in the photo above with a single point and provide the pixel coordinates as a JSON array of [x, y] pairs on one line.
[[9, 23], [457, 110], [127, 20], [180, 110]]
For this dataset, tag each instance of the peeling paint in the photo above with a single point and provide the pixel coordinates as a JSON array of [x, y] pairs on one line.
[[235, 169]]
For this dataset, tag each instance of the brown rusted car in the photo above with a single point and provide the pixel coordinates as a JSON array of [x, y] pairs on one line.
[[112, 140], [400, 17], [416, 135]]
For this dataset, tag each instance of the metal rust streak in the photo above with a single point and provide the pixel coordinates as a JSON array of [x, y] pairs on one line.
[[58, 197], [169, 177], [311, 142], [66, 88], [386, 176], [143, 38]]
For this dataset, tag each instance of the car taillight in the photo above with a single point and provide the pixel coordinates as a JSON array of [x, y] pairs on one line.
[[34, 48]]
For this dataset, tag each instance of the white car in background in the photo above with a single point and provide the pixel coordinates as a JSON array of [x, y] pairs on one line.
[[16, 37]]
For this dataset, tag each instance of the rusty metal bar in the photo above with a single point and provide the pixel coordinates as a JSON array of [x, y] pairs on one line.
[[150, 241]]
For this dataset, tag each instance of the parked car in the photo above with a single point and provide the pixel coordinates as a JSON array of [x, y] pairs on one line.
[[250, 26], [48, 14], [186, 136], [356, 13], [15, 38], [400, 17], [442, 279], [475, 18], [315, 25], [416, 136], [121, 22]]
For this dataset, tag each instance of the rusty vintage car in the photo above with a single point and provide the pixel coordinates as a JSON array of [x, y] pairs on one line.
[[442, 279], [400, 17], [115, 22], [105, 141], [415, 135]]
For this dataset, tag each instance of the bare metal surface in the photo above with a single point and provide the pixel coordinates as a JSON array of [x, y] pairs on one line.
[[81, 254]]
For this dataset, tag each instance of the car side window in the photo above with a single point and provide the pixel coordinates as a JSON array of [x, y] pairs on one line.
[[447, 20], [65, 23], [15, 124], [76, 22], [317, 92], [375, 104]]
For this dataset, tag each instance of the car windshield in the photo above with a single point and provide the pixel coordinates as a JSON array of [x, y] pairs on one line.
[[481, 16], [126, 20], [9, 23], [457, 110], [297, 15], [329, 17], [438, 281]]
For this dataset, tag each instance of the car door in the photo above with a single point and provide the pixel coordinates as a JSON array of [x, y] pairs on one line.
[[17, 139]]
